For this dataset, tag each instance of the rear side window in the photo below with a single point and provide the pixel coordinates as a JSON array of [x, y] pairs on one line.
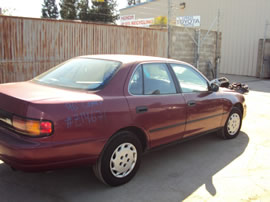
[[136, 82], [157, 79], [152, 79]]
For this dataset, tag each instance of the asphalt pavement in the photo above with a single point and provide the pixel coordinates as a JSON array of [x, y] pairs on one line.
[[204, 169]]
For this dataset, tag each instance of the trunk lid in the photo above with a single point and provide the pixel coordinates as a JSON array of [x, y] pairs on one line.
[[15, 98]]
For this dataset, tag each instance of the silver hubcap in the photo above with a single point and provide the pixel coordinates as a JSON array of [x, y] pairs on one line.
[[123, 160], [233, 124]]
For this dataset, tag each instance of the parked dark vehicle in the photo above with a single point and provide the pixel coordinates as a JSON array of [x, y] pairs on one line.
[[106, 110]]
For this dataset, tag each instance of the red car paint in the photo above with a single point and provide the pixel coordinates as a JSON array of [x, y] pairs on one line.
[[85, 120]]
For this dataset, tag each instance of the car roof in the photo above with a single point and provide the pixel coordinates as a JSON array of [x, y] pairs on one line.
[[130, 58]]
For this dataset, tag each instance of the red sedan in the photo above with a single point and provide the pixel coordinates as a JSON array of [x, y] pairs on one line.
[[106, 110]]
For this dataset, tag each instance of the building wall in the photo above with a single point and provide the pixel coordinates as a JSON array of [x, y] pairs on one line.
[[242, 24], [263, 62], [182, 47], [151, 9]]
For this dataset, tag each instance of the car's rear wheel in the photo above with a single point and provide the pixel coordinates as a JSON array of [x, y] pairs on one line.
[[233, 124], [120, 159]]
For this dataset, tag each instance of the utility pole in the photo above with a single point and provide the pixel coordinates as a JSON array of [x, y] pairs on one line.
[[198, 33], [217, 47], [169, 29]]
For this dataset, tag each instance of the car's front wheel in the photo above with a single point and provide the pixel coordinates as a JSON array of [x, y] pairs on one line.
[[120, 159], [233, 124]]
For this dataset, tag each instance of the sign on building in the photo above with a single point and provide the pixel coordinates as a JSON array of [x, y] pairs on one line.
[[139, 23], [188, 21], [126, 18]]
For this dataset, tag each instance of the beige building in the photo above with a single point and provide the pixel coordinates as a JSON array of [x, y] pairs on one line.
[[242, 23]]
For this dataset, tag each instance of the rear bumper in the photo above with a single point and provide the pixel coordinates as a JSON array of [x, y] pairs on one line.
[[31, 155]]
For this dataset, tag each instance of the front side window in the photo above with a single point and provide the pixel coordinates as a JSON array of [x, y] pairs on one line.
[[190, 80], [80, 73]]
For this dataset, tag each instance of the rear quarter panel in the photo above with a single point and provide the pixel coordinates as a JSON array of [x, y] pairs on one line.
[[92, 116]]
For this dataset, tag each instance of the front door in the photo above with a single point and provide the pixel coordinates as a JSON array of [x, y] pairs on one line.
[[204, 107]]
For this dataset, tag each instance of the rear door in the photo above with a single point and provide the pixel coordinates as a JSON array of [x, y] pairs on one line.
[[204, 107], [155, 104]]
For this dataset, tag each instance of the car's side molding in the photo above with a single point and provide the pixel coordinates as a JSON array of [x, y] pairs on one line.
[[166, 127], [207, 117], [188, 122]]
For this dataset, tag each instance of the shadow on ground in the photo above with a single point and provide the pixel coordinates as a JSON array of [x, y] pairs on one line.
[[261, 86], [170, 174]]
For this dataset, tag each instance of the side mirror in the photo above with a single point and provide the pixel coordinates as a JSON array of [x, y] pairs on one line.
[[214, 87]]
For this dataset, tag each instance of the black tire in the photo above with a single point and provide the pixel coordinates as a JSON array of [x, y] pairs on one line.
[[127, 142], [226, 132]]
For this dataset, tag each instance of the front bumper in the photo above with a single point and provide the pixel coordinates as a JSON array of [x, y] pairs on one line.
[[32, 155], [244, 110]]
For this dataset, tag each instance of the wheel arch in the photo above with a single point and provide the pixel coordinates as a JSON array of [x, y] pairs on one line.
[[138, 132], [239, 106]]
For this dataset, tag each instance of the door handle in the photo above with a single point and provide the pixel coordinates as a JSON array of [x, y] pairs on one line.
[[191, 103], [141, 109]]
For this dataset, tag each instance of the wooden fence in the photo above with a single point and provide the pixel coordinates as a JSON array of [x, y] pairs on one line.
[[30, 46]]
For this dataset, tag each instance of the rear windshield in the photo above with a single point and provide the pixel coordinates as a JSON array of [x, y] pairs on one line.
[[80, 73]]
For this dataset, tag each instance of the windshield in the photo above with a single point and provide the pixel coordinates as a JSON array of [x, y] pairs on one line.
[[80, 73]]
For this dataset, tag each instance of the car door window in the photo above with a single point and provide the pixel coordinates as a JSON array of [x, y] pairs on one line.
[[151, 79], [136, 82], [189, 79], [157, 79]]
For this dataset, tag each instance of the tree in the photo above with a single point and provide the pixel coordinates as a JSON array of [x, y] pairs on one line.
[[7, 11], [49, 9], [104, 11], [69, 9], [84, 10]]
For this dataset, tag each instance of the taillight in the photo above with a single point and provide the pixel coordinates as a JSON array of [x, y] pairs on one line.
[[32, 127], [45, 127]]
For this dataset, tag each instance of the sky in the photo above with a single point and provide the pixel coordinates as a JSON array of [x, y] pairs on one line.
[[32, 8]]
